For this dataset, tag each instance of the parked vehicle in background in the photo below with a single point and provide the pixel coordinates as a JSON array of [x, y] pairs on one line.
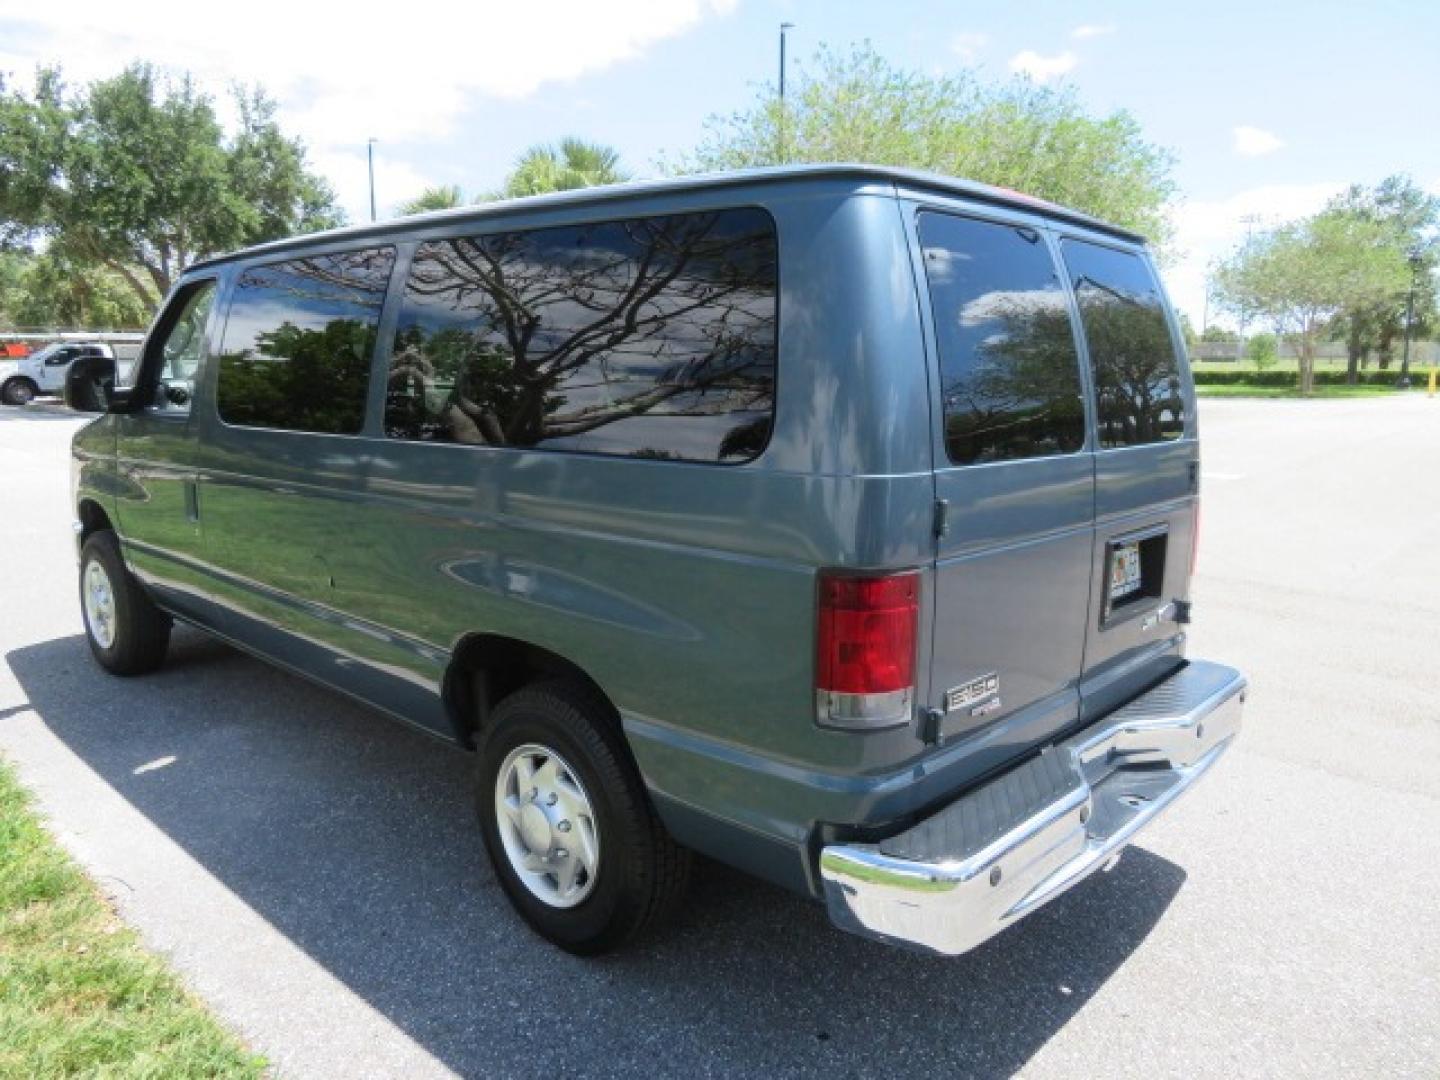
[[43, 372], [836, 522]]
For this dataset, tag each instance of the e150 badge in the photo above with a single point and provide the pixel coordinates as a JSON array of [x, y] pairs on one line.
[[973, 695]]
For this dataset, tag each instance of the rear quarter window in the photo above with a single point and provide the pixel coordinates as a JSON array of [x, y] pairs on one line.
[[1140, 396]]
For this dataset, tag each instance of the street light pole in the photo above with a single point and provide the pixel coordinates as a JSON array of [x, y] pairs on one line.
[[784, 26], [370, 156], [1404, 380], [1249, 221]]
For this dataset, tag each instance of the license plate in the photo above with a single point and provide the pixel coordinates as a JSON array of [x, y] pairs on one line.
[[1125, 571]]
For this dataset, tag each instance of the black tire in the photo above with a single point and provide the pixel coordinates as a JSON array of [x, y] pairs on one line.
[[642, 873], [139, 632], [19, 391]]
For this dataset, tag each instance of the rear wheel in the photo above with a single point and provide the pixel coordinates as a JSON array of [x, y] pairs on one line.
[[568, 826], [18, 392], [128, 634]]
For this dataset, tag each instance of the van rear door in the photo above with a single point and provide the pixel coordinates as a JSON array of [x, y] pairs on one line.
[[1146, 470], [1014, 482]]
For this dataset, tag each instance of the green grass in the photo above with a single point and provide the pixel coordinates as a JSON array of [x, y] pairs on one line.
[[1242, 390], [79, 996]]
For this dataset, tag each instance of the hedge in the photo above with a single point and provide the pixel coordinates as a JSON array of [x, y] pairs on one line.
[[1292, 378]]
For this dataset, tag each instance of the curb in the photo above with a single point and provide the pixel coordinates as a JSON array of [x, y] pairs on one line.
[[54, 408]]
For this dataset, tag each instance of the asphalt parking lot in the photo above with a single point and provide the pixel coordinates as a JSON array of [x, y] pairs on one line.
[[313, 870]]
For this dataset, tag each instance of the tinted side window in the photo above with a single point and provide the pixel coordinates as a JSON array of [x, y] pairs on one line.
[[1137, 374], [298, 341], [653, 337], [181, 347], [1009, 370]]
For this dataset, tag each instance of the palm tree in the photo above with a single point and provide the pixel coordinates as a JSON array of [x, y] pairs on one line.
[[445, 197], [572, 163]]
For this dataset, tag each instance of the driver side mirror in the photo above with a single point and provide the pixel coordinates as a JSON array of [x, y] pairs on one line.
[[90, 384]]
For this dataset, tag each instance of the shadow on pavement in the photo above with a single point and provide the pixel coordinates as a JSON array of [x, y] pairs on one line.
[[354, 836]]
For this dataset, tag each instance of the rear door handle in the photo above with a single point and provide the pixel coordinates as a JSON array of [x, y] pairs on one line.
[[192, 502]]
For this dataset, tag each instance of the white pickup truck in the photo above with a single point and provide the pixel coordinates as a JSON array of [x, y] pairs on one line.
[[43, 372]]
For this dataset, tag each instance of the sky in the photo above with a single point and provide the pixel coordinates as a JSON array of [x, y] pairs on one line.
[[1270, 108]]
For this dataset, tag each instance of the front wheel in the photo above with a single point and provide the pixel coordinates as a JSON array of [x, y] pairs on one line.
[[18, 392], [569, 829], [128, 634]]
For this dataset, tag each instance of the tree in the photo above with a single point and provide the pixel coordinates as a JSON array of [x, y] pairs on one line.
[[856, 107], [1263, 351], [42, 291], [543, 168], [446, 197], [1300, 276], [1219, 335], [572, 163], [135, 174], [1410, 219]]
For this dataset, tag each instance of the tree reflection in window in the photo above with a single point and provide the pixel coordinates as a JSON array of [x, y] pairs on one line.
[[652, 337], [1009, 370], [1137, 373], [299, 339]]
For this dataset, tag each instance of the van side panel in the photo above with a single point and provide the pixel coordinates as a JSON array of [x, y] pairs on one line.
[[687, 591]]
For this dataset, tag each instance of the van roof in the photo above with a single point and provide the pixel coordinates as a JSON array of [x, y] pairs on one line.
[[908, 179]]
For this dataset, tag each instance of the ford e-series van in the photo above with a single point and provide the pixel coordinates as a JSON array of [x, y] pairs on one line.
[[833, 522]]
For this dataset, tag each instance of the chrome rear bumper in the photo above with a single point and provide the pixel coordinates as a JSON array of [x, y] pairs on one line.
[[1002, 850]]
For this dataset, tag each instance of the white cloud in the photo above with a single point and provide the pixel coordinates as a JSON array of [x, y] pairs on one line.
[[1255, 142], [1092, 30], [1000, 304], [1043, 68], [341, 76], [1207, 230], [967, 46]]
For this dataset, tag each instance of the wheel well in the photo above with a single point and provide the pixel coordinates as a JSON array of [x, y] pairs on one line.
[[22, 378], [486, 668], [92, 519]]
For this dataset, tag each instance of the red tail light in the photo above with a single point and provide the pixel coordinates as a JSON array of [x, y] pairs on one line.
[[865, 663]]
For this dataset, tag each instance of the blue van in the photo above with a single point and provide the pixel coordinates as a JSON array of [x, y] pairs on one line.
[[835, 522]]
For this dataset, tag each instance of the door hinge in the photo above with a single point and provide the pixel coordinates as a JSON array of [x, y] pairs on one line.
[[942, 516]]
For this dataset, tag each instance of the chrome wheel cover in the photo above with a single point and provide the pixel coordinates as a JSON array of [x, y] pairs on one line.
[[99, 596], [547, 825]]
